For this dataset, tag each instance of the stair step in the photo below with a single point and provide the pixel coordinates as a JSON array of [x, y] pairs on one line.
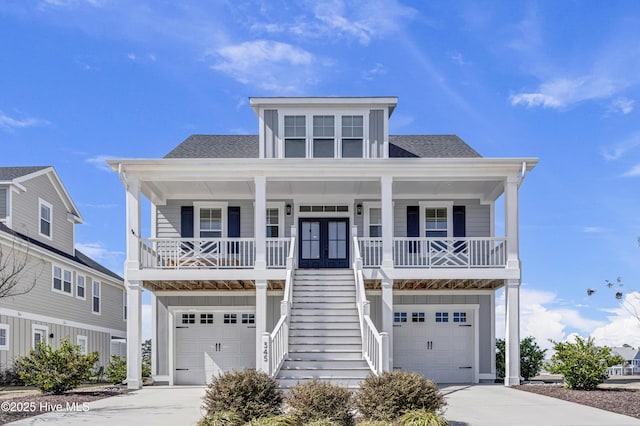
[[351, 384], [324, 299], [326, 364], [355, 355], [325, 340], [322, 326], [312, 317], [328, 305], [324, 348], [322, 374], [315, 332], [324, 291]]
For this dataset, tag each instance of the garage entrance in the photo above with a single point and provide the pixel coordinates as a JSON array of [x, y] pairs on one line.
[[437, 342], [210, 343]]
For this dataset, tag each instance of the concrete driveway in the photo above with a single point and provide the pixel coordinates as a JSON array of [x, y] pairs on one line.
[[496, 405]]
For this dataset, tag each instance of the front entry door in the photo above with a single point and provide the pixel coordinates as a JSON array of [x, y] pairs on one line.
[[324, 243]]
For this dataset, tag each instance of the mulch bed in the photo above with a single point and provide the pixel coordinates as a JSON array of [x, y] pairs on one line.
[[621, 401], [32, 405]]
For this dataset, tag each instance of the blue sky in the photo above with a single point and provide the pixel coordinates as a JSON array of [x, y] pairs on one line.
[[85, 80]]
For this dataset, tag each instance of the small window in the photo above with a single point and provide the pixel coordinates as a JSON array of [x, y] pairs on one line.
[[45, 218], [66, 283], [83, 342], [273, 222], [399, 317], [206, 318], [436, 223], [38, 335], [248, 318], [188, 318], [210, 223], [125, 303], [352, 135], [95, 305], [417, 316], [80, 287], [459, 317], [323, 136], [295, 136], [230, 318], [442, 316], [4, 337], [57, 278], [375, 222]]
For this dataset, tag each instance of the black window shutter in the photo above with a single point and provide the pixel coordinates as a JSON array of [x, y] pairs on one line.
[[459, 222], [233, 220], [186, 222], [413, 221]]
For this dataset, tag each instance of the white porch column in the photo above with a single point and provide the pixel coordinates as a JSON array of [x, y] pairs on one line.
[[386, 199], [512, 333], [511, 222], [134, 335], [261, 317], [260, 215], [133, 224], [387, 316]]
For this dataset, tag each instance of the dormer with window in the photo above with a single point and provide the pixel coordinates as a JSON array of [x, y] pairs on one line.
[[324, 127]]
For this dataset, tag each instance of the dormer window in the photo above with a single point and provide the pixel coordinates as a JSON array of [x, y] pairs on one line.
[[45, 219], [295, 136], [352, 135]]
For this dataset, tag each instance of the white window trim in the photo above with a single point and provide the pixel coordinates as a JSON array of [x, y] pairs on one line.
[[223, 206], [41, 203], [438, 205], [280, 206], [7, 334], [39, 327], [61, 291], [80, 338], [93, 282], [85, 286], [366, 206]]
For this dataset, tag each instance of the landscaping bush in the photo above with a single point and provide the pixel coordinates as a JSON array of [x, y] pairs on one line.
[[582, 364], [221, 418], [9, 377], [323, 422], [272, 421], [249, 393], [56, 371], [117, 370], [320, 401], [423, 418], [531, 358], [390, 395]]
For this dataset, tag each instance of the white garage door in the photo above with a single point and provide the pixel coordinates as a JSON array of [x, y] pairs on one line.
[[210, 343], [437, 343]]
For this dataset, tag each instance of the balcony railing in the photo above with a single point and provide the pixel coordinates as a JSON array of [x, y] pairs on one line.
[[469, 252], [209, 253]]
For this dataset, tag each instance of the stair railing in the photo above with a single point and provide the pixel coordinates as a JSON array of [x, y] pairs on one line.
[[275, 345], [375, 345]]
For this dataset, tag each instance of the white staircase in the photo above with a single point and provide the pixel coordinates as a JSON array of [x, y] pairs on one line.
[[324, 332]]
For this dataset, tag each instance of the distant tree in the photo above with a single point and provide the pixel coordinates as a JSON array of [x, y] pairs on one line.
[[531, 358], [146, 358], [18, 271], [631, 303]]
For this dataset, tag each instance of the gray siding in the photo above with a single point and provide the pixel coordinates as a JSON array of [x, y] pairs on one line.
[[4, 203], [270, 133], [26, 214], [376, 133], [42, 300], [162, 317], [20, 338]]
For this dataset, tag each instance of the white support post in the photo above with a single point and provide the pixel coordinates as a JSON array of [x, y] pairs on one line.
[[511, 222], [154, 335], [134, 335], [261, 314], [260, 214], [385, 358], [133, 224], [386, 198], [265, 353], [387, 317], [512, 333]]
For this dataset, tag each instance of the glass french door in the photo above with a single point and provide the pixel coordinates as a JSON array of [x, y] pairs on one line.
[[324, 243]]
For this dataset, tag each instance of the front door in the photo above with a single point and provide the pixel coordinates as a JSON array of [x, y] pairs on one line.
[[324, 243]]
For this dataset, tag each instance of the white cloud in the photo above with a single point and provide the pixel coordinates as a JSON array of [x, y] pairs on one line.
[[97, 251], [146, 322], [10, 123], [269, 64], [622, 105], [377, 70], [623, 326], [100, 161], [616, 151], [593, 229], [457, 58], [72, 3], [564, 92], [634, 171]]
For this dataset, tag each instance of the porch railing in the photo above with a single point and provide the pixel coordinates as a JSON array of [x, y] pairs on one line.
[[275, 345], [468, 252], [375, 345], [277, 252]]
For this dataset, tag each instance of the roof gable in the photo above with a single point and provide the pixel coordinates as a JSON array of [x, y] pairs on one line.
[[11, 173]]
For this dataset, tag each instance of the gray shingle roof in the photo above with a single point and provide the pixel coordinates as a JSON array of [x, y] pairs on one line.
[[10, 173], [246, 146]]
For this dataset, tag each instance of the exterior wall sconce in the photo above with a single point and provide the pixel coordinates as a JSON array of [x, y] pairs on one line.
[[359, 209], [288, 209], [50, 335]]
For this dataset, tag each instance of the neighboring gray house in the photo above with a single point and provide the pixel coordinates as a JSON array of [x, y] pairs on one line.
[[323, 247], [73, 296], [632, 366]]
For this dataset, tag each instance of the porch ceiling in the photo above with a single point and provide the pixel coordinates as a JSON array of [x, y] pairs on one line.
[[200, 285], [466, 284]]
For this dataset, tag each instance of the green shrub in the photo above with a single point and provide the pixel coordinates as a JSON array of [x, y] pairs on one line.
[[249, 393], [272, 421], [9, 377], [582, 364], [56, 371], [531, 358], [117, 370], [322, 422], [373, 423], [221, 418], [320, 401], [422, 418], [390, 395]]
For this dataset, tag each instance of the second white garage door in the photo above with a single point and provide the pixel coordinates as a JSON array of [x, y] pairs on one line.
[[435, 342], [210, 343]]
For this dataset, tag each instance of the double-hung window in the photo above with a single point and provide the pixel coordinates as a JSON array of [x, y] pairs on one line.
[[323, 136], [210, 224], [437, 219], [4, 337], [295, 133], [62, 280], [45, 219], [80, 287], [352, 136], [273, 222], [96, 298], [373, 220], [83, 342]]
